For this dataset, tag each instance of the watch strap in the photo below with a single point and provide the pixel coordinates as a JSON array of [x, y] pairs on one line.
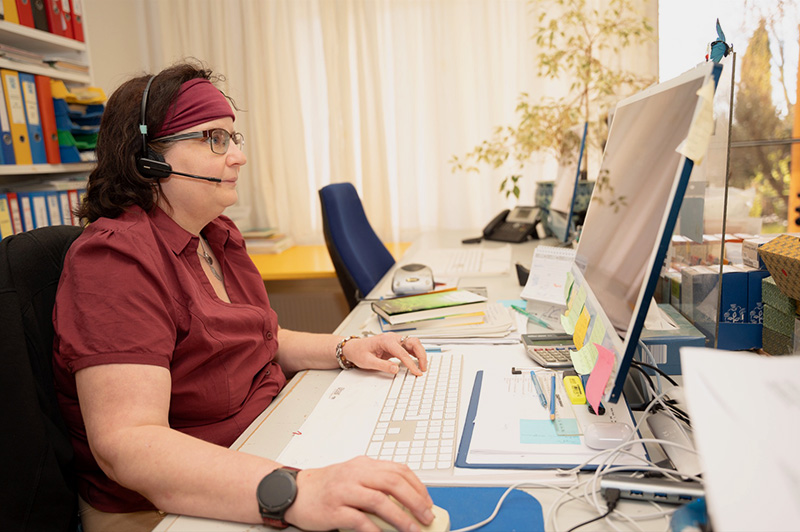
[[278, 521]]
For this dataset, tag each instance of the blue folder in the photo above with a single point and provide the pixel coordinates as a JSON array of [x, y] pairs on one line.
[[6, 141], [33, 118]]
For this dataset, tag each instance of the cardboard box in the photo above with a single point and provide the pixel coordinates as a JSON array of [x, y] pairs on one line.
[[665, 345], [776, 343], [735, 331], [750, 247], [781, 256]]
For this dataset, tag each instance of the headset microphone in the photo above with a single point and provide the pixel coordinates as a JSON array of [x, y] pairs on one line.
[[151, 164]]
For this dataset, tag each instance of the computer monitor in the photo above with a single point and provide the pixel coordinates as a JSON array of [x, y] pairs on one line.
[[634, 208], [565, 191]]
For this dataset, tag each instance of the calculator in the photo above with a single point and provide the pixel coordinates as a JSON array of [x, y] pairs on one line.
[[549, 350]]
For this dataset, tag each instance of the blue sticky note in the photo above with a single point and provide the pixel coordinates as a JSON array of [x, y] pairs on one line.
[[543, 432]]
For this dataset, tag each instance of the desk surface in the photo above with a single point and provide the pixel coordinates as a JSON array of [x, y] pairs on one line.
[[305, 262], [301, 394]]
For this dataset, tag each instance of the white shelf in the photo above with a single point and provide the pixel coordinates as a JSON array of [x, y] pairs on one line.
[[45, 70], [49, 45], [23, 170], [38, 41]]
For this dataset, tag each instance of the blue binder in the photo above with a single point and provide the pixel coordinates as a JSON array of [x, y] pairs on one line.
[[31, 102], [6, 141]]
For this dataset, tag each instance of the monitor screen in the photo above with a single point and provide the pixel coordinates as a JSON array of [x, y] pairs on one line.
[[634, 208], [565, 191]]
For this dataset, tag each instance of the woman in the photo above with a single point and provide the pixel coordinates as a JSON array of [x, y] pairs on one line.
[[166, 347]]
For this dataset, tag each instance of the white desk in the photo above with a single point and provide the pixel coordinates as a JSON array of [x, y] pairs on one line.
[[304, 390]]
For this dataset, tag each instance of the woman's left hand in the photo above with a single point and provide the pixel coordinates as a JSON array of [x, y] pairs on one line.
[[374, 352]]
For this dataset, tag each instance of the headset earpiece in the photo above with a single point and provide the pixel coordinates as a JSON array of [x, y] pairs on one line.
[[150, 163]]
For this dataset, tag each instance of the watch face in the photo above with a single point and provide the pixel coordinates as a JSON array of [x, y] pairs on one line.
[[277, 492]]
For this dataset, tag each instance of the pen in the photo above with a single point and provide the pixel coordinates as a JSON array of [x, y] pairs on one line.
[[435, 349], [553, 397], [535, 319], [542, 398]]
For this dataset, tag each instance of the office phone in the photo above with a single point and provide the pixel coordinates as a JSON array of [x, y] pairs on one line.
[[515, 225]]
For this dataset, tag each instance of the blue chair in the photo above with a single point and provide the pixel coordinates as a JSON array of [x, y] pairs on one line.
[[358, 255]]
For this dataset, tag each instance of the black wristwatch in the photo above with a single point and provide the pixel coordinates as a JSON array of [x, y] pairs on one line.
[[276, 493]]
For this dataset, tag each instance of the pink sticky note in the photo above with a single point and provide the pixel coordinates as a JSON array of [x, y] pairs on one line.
[[599, 377]]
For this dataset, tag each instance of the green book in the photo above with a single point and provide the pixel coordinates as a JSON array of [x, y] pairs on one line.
[[427, 306]]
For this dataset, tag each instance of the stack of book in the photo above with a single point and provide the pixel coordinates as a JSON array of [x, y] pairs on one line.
[[267, 240], [443, 314]]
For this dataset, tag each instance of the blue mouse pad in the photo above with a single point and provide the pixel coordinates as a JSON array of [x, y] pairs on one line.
[[520, 512]]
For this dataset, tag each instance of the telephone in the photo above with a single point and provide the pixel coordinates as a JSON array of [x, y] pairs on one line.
[[513, 226]]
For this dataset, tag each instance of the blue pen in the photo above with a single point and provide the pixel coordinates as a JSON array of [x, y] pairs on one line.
[[553, 397], [542, 398], [535, 319]]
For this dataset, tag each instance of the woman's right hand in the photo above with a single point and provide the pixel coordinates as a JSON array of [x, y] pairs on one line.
[[337, 496]]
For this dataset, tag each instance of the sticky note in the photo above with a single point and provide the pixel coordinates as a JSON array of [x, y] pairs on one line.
[[567, 324], [543, 432], [581, 328], [584, 359], [568, 286], [599, 377], [598, 332]]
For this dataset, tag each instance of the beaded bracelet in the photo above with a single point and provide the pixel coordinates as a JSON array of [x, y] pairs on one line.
[[340, 358]]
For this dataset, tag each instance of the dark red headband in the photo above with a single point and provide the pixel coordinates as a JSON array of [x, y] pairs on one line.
[[198, 101]]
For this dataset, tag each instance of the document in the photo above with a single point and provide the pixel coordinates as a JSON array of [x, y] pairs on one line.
[[744, 410], [511, 427], [544, 291]]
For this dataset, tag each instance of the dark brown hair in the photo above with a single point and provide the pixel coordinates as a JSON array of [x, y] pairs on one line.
[[115, 184]]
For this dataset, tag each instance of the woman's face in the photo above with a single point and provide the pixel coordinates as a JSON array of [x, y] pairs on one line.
[[194, 202]]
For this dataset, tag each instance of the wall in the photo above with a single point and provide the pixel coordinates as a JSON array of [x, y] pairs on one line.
[[116, 39]]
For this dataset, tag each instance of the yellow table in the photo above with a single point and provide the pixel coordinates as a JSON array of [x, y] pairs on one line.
[[305, 262]]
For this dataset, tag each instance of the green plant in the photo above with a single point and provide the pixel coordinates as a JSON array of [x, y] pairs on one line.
[[573, 37]]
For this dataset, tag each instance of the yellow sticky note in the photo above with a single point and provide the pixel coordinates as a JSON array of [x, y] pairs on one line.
[[584, 358], [581, 328]]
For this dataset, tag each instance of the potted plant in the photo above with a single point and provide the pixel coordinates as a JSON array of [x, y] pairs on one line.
[[573, 37]]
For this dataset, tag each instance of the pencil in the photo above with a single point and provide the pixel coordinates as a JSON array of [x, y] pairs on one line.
[[553, 397]]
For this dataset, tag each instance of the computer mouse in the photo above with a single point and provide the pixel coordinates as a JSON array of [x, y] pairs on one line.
[[412, 279], [603, 435], [440, 523]]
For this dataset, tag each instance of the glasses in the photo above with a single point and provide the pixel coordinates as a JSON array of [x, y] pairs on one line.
[[219, 139]]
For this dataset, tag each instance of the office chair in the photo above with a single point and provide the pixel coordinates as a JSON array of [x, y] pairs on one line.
[[37, 480], [358, 255]]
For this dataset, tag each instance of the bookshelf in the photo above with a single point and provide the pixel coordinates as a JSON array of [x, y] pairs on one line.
[[47, 44]]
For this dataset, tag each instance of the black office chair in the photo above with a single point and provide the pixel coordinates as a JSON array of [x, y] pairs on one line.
[[358, 255], [37, 481]]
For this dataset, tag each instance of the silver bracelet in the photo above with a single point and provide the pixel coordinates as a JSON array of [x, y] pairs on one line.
[[340, 358]]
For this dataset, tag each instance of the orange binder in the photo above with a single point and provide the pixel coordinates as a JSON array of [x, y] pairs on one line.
[[77, 20], [10, 11], [16, 116], [25, 12], [47, 115]]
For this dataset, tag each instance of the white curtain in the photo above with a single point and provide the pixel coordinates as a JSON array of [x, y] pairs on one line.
[[380, 93]]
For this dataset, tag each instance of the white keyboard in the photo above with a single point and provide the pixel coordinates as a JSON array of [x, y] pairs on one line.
[[465, 261], [418, 425], [468, 261]]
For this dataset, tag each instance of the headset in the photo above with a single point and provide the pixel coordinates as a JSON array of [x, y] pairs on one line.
[[150, 163]]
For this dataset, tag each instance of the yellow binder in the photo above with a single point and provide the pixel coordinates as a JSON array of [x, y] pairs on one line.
[[16, 115], [10, 11]]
